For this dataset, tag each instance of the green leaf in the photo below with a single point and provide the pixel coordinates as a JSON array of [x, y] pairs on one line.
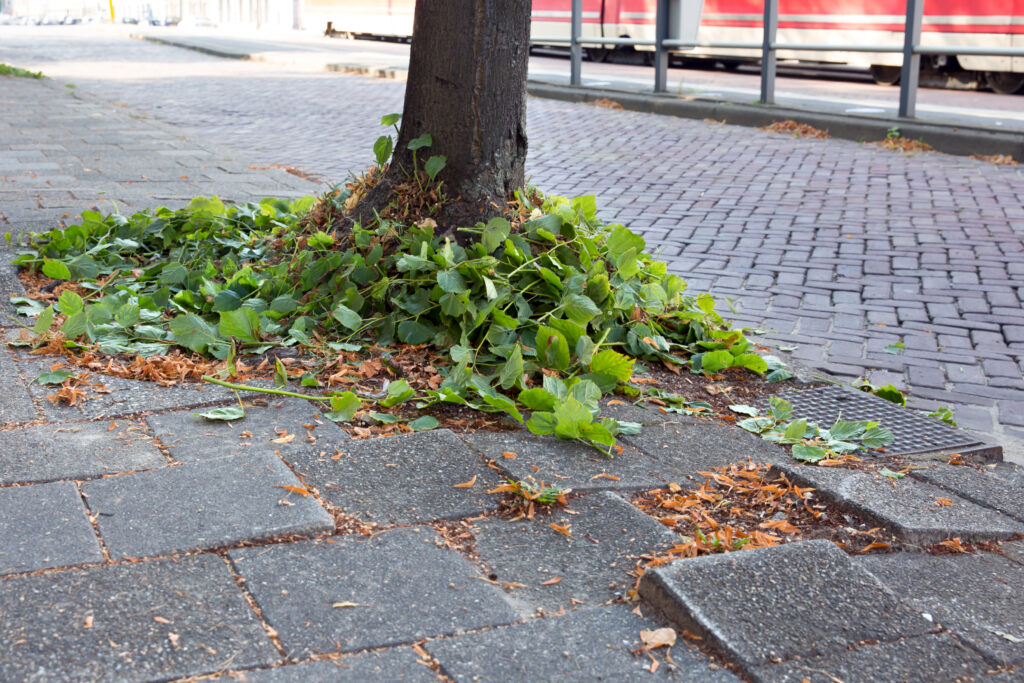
[[343, 407], [744, 410], [891, 394], [451, 281], [243, 323], [227, 300], [54, 377], [44, 321], [809, 453], [399, 391], [226, 414], [385, 418], [609, 362], [495, 233], [382, 149], [74, 325], [423, 423], [886, 472], [280, 373], [420, 142], [843, 431], [876, 437], [796, 430], [757, 425], [627, 265], [412, 332], [570, 417], [69, 303], [390, 119], [542, 422], [538, 399], [284, 304], [895, 349], [780, 409], [347, 317], [435, 165], [512, 370], [751, 361], [580, 309], [193, 333], [713, 361], [56, 270], [587, 393], [552, 348], [585, 348]]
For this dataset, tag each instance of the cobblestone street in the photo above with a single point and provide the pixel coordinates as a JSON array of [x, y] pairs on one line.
[[841, 249]]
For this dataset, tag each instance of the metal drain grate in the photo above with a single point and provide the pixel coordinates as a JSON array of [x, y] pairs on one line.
[[913, 432]]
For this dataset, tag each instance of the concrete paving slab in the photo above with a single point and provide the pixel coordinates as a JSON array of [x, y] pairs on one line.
[[358, 593], [395, 664], [43, 526], [135, 622], [16, 404], [691, 448], [796, 600], [976, 597], [910, 509], [568, 464], [586, 645], [282, 428], [124, 397], [644, 413], [401, 479], [984, 487], [202, 505], [590, 567], [924, 659], [75, 451]]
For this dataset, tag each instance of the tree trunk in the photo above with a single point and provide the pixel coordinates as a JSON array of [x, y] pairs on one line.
[[467, 89]]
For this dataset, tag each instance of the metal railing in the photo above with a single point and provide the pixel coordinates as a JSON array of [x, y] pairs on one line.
[[912, 50]]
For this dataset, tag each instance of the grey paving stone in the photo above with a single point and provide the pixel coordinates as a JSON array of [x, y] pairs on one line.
[[404, 586], [191, 438], [75, 451], [401, 479], [608, 536], [800, 599], [202, 505], [984, 487], [15, 402], [395, 664], [976, 597], [924, 659], [568, 464], [907, 508], [646, 414], [586, 645], [693, 447], [44, 525], [101, 623], [125, 397]]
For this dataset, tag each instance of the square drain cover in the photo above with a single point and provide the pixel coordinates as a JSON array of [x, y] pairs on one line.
[[913, 432]]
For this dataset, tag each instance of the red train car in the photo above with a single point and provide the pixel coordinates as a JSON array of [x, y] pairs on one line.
[[947, 24]]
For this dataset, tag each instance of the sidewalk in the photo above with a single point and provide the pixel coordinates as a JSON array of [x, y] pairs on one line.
[[138, 542]]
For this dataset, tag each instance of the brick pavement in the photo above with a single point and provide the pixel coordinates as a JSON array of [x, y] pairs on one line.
[[838, 248], [137, 543]]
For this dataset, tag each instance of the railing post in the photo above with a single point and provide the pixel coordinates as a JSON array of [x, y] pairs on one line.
[[575, 49], [771, 25], [911, 60], [660, 53]]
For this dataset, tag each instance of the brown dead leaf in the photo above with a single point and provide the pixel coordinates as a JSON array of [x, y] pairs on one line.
[[509, 455], [944, 502], [346, 603], [88, 622], [287, 438], [294, 489], [662, 637], [877, 545], [564, 530], [161, 620], [551, 582], [465, 484], [605, 475]]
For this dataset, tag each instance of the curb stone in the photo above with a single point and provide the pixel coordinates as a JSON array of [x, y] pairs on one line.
[[773, 604], [909, 509]]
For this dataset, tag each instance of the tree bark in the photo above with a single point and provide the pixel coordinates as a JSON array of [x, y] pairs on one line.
[[467, 89]]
